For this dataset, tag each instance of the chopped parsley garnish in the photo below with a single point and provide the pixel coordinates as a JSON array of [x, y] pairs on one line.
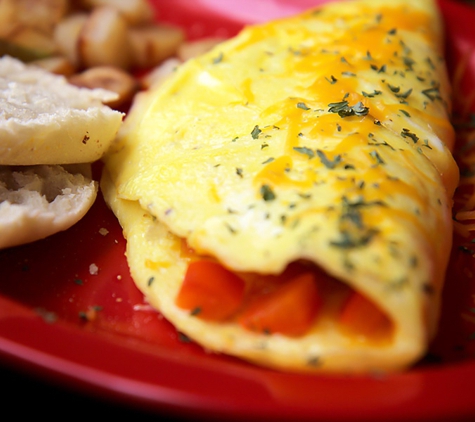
[[404, 95], [409, 62], [432, 93], [430, 63], [372, 94], [330, 164], [406, 133], [381, 69], [196, 311], [349, 241], [267, 193], [306, 151], [394, 89], [344, 110], [303, 106], [255, 132], [269, 160], [218, 58], [377, 157]]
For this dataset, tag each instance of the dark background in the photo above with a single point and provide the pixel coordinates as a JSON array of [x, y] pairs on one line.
[[32, 396]]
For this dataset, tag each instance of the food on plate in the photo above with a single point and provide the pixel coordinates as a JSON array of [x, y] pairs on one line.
[[111, 79], [46, 120], [71, 37], [286, 197], [37, 201], [50, 133]]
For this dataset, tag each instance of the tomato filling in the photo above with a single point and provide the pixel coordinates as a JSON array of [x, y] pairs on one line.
[[290, 303]]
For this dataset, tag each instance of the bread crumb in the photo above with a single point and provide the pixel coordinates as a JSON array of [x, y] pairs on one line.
[[103, 231], [93, 269]]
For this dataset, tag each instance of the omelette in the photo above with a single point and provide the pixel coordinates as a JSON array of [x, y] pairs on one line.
[[286, 197]]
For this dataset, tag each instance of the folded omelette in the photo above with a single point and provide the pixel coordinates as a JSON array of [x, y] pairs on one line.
[[286, 197]]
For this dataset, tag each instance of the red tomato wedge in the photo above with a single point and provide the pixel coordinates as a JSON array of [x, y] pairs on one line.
[[362, 317], [211, 291], [290, 309]]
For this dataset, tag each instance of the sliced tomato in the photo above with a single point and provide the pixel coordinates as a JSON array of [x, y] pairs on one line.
[[210, 291], [290, 309], [360, 316]]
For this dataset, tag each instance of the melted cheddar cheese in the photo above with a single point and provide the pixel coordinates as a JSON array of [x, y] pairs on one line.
[[322, 137]]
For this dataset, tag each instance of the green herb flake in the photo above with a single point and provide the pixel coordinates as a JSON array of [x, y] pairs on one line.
[[332, 79], [150, 281], [406, 133], [305, 150], [373, 94], [183, 338], [230, 228], [404, 95], [344, 110], [406, 49], [337, 107], [196, 311], [255, 132], [349, 241], [409, 62], [218, 58], [394, 89], [303, 106], [377, 157], [368, 56], [314, 361], [428, 288], [384, 144], [239, 172], [330, 164], [381, 69], [426, 144], [267, 193], [430, 63], [432, 93]]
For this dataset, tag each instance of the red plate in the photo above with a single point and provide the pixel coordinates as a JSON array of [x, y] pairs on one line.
[[62, 320]]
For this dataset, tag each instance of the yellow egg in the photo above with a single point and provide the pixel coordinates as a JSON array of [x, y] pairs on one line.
[[323, 137]]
